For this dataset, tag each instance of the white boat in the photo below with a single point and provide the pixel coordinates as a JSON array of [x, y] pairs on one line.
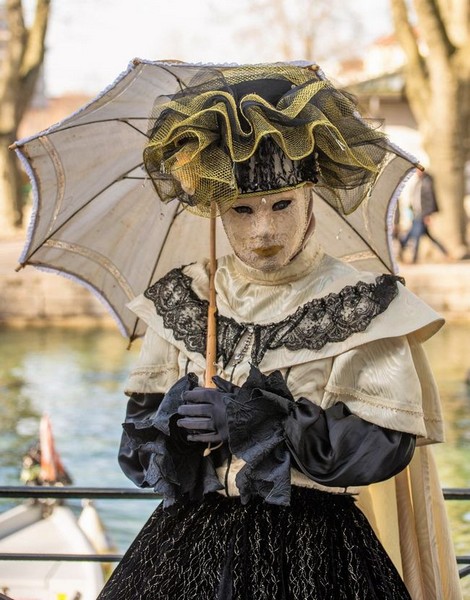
[[51, 527]]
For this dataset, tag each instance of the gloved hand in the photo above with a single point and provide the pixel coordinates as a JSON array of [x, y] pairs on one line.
[[204, 412]]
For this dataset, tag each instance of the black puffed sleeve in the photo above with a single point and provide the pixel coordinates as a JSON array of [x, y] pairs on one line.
[[336, 448]]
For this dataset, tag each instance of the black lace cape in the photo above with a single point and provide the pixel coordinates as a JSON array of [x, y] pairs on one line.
[[332, 318]]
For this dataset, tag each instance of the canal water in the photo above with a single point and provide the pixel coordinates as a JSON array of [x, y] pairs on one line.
[[77, 377]]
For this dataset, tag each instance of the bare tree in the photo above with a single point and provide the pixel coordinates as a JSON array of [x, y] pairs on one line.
[[23, 55], [437, 76], [311, 30], [296, 25]]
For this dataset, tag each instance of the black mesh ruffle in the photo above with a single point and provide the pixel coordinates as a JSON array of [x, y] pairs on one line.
[[200, 135]]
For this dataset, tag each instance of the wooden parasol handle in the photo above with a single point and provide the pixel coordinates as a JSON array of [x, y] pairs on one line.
[[211, 342]]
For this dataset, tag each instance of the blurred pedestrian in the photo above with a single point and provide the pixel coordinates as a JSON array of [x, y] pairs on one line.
[[423, 205]]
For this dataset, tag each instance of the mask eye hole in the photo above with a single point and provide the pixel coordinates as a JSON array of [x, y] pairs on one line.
[[281, 205], [243, 210]]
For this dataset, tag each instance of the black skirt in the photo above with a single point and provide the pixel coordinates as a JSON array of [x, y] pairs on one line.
[[319, 547]]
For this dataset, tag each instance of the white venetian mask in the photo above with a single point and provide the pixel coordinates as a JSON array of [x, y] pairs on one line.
[[267, 231]]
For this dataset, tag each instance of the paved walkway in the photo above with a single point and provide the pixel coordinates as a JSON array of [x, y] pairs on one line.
[[32, 296]]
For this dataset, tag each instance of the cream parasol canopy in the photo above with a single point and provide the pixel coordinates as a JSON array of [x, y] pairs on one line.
[[98, 219]]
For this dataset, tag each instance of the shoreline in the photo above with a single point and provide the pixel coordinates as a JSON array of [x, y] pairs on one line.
[[33, 298]]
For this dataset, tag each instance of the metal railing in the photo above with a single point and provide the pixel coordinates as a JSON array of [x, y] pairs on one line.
[[459, 494], [67, 493], [70, 493]]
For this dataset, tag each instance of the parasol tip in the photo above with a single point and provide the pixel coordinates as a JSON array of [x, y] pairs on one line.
[[19, 266]]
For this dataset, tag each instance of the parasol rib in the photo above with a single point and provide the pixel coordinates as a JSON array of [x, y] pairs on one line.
[[92, 199], [177, 211], [362, 238], [17, 145]]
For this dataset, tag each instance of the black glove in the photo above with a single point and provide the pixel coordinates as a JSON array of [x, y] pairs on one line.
[[204, 412]]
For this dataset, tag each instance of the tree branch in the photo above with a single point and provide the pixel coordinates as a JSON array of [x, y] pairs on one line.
[[34, 51], [18, 33], [11, 64], [461, 60], [433, 29], [405, 34], [417, 84], [33, 57]]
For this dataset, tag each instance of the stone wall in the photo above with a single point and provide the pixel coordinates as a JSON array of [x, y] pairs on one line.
[[33, 296], [445, 287]]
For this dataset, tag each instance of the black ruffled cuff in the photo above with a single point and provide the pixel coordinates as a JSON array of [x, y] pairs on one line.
[[134, 463], [173, 467], [269, 430], [256, 418]]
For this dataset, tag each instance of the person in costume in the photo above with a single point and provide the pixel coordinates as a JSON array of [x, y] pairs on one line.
[[271, 479]]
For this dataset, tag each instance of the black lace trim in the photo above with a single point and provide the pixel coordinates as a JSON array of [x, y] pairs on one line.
[[269, 168], [332, 318]]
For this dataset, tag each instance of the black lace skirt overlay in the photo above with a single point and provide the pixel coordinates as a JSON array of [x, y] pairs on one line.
[[321, 547], [332, 318]]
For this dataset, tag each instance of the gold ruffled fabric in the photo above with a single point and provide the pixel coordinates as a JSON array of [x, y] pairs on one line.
[[199, 136]]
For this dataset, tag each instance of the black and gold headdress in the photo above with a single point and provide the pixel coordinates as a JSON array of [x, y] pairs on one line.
[[260, 128]]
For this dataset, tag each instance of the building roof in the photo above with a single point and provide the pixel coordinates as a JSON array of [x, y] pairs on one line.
[[391, 85]]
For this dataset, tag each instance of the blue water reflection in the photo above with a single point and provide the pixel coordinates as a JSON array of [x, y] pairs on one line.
[[77, 377]]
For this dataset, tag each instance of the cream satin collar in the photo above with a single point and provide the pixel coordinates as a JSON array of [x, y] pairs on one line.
[[251, 295], [305, 262]]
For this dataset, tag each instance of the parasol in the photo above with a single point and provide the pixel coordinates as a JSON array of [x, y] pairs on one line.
[[98, 219]]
